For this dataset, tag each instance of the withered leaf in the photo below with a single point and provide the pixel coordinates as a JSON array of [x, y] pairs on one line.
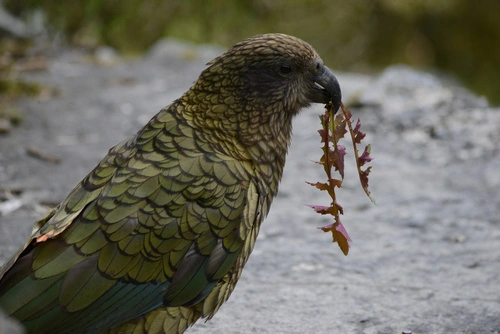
[[333, 130]]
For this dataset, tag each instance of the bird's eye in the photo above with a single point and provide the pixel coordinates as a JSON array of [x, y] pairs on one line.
[[285, 69]]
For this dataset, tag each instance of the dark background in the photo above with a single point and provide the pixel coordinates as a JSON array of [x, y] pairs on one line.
[[460, 37]]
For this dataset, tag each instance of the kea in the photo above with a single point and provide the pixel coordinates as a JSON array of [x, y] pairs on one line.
[[157, 234]]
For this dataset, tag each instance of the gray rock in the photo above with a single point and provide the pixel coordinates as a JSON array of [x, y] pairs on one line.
[[18, 28], [9, 326], [12, 25]]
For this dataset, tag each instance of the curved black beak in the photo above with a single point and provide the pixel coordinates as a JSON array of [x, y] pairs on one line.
[[327, 88]]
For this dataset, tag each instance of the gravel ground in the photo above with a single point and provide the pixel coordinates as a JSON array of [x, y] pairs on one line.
[[424, 259]]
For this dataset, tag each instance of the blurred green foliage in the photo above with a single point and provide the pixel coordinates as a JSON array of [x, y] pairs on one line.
[[461, 37]]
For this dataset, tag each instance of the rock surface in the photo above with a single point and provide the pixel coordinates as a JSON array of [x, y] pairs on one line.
[[424, 259]]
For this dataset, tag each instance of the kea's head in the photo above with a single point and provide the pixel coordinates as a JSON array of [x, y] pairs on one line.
[[249, 95], [270, 72]]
